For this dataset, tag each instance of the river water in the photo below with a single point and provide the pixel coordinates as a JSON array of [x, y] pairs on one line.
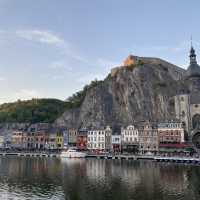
[[91, 179]]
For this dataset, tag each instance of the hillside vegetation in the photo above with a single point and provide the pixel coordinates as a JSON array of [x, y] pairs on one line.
[[33, 111], [41, 110]]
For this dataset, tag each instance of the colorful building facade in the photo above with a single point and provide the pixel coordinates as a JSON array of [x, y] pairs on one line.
[[116, 143], [81, 142], [170, 132], [148, 138]]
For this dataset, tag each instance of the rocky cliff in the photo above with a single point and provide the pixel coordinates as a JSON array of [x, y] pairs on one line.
[[141, 89]]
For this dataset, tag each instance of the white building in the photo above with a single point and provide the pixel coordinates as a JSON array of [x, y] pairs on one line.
[[129, 134], [129, 138], [99, 139], [2, 143]]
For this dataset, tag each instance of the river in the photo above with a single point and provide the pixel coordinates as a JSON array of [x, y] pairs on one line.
[[92, 179]]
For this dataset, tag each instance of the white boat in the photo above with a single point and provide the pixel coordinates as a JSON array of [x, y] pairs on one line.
[[72, 153]]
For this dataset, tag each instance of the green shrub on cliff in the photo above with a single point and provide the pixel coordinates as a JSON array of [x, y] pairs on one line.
[[76, 99]]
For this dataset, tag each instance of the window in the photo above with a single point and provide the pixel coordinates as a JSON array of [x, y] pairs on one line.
[[135, 139], [182, 98], [183, 124]]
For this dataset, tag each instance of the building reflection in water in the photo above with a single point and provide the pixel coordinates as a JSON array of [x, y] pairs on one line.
[[49, 178], [173, 178], [29, 177]]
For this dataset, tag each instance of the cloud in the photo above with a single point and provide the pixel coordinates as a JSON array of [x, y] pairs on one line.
[[60, 64], [50, 38], [40, 36], [47, 37], [57, 77], [2, 78]]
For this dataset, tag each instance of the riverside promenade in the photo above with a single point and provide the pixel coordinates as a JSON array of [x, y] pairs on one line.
[[173, 159], [25, 154], [167, 159]]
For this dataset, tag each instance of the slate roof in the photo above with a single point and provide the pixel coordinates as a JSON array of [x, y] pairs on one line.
[[195, 98], [193, 70]]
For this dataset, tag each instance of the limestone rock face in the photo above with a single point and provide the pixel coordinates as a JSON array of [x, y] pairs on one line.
[[144, 92]]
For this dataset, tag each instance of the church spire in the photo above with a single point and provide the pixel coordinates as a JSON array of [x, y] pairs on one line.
[[193, 59]]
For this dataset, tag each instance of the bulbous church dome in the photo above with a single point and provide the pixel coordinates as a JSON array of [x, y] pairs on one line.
[[193, 69]]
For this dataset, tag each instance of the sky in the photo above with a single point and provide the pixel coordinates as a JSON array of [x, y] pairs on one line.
[[52, 48]]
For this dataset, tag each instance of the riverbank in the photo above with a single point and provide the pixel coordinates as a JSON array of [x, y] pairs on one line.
[[172, 159]]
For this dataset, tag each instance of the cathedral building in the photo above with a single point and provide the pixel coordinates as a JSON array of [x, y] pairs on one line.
[[187, 101]]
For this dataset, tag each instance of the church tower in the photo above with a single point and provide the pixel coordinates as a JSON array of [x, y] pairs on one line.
[[193, 82], [193, 72], [192, 56], [187, 103]]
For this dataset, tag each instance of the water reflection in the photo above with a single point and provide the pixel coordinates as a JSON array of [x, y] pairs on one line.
[[74, 179]]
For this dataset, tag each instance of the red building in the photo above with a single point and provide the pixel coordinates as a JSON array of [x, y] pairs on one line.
[[81, 141], [176, 149], [170, 132], [40, 139]]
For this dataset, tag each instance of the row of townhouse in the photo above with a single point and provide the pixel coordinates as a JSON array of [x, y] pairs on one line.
[[36, 136], [143, 137], [38, 140], [148, 137]]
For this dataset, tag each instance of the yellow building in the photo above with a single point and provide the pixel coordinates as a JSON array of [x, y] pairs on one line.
[[59, 140]]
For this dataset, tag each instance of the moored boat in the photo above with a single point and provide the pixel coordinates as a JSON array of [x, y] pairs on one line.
[[72, 153]]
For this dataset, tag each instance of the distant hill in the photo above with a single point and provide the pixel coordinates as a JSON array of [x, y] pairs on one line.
[[32, 111], [41, 110]]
